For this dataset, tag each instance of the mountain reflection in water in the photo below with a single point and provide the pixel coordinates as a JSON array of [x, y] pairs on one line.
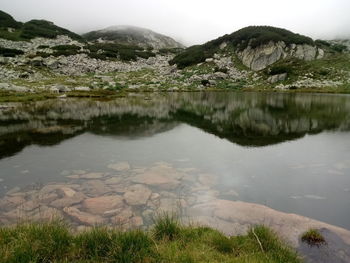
[[247, 119]]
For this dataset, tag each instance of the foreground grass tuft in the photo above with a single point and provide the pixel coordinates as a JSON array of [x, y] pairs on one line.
[[313, 237], [167, 242], [166, 226]]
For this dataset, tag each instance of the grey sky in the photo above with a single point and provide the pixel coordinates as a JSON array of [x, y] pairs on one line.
[[190, 21]]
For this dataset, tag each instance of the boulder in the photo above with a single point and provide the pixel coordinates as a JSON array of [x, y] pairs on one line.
[[82, 89], [95, 187], [68, 200], [37, 62], [277, 78], [52, 63]]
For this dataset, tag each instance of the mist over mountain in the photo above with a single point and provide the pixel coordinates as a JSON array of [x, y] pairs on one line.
[[125, 34]]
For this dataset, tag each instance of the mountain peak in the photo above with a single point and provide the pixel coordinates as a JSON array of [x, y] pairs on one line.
[[126, 34]]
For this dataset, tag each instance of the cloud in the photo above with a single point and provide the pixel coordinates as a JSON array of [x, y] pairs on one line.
[[190, 21]]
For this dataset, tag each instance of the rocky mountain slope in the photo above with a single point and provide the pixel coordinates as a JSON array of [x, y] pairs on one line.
[[133, 36], [39, 57]]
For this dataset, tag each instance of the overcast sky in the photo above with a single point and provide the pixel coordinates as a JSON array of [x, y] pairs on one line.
[[190, 21]]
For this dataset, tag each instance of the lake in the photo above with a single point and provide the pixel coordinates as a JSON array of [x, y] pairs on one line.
[[122, 160]]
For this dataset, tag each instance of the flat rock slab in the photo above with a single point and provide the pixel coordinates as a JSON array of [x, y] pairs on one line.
[[99, 205], [161, 175], [288, 226]]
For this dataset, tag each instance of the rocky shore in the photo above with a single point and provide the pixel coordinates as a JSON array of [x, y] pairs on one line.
[[128, 197]]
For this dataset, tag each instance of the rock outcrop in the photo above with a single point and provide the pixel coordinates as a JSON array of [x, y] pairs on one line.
[[262, 56]]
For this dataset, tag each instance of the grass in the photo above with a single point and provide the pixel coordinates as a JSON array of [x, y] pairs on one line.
[[313, 237], [6, 96], [168, 241]]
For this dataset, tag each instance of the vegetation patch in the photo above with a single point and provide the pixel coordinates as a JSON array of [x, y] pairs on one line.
[[7, 21], [313, 237], [7, 96], [31, 29], [168, 242], [43, 28], [10, 52], [106, 51]]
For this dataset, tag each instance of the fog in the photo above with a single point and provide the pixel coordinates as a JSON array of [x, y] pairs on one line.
[[190, 21]]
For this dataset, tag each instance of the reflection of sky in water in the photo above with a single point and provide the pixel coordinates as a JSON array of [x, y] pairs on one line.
[[308, 176]]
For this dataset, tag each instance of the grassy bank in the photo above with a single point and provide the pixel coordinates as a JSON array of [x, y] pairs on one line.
[[167, 241]]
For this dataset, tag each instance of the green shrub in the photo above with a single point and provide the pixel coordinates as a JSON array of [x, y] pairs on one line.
[[145, 54], [43, 28], [321, 43], [339, 48], [280, 69], [43, 47], [66, 47], [193, 55], [105, 51], [10, 52], [223, 70], [166, 51]]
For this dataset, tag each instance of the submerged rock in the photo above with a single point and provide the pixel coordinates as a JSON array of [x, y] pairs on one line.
[[83, 217], [121, 166], [137, 195], [161, 175], [99, 205]]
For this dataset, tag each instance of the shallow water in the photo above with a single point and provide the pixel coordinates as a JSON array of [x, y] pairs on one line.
[[290, 152]]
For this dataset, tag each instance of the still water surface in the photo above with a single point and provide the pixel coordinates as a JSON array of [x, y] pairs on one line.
[[290, 152]]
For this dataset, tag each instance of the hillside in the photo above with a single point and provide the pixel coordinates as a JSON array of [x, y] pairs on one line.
[[14, 30], [40, 57], [248, 38], [131, 35], [7, 21]]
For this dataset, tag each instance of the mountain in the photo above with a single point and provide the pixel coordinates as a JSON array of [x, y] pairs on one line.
[[134, 36], [14, 30], [256, 46]]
